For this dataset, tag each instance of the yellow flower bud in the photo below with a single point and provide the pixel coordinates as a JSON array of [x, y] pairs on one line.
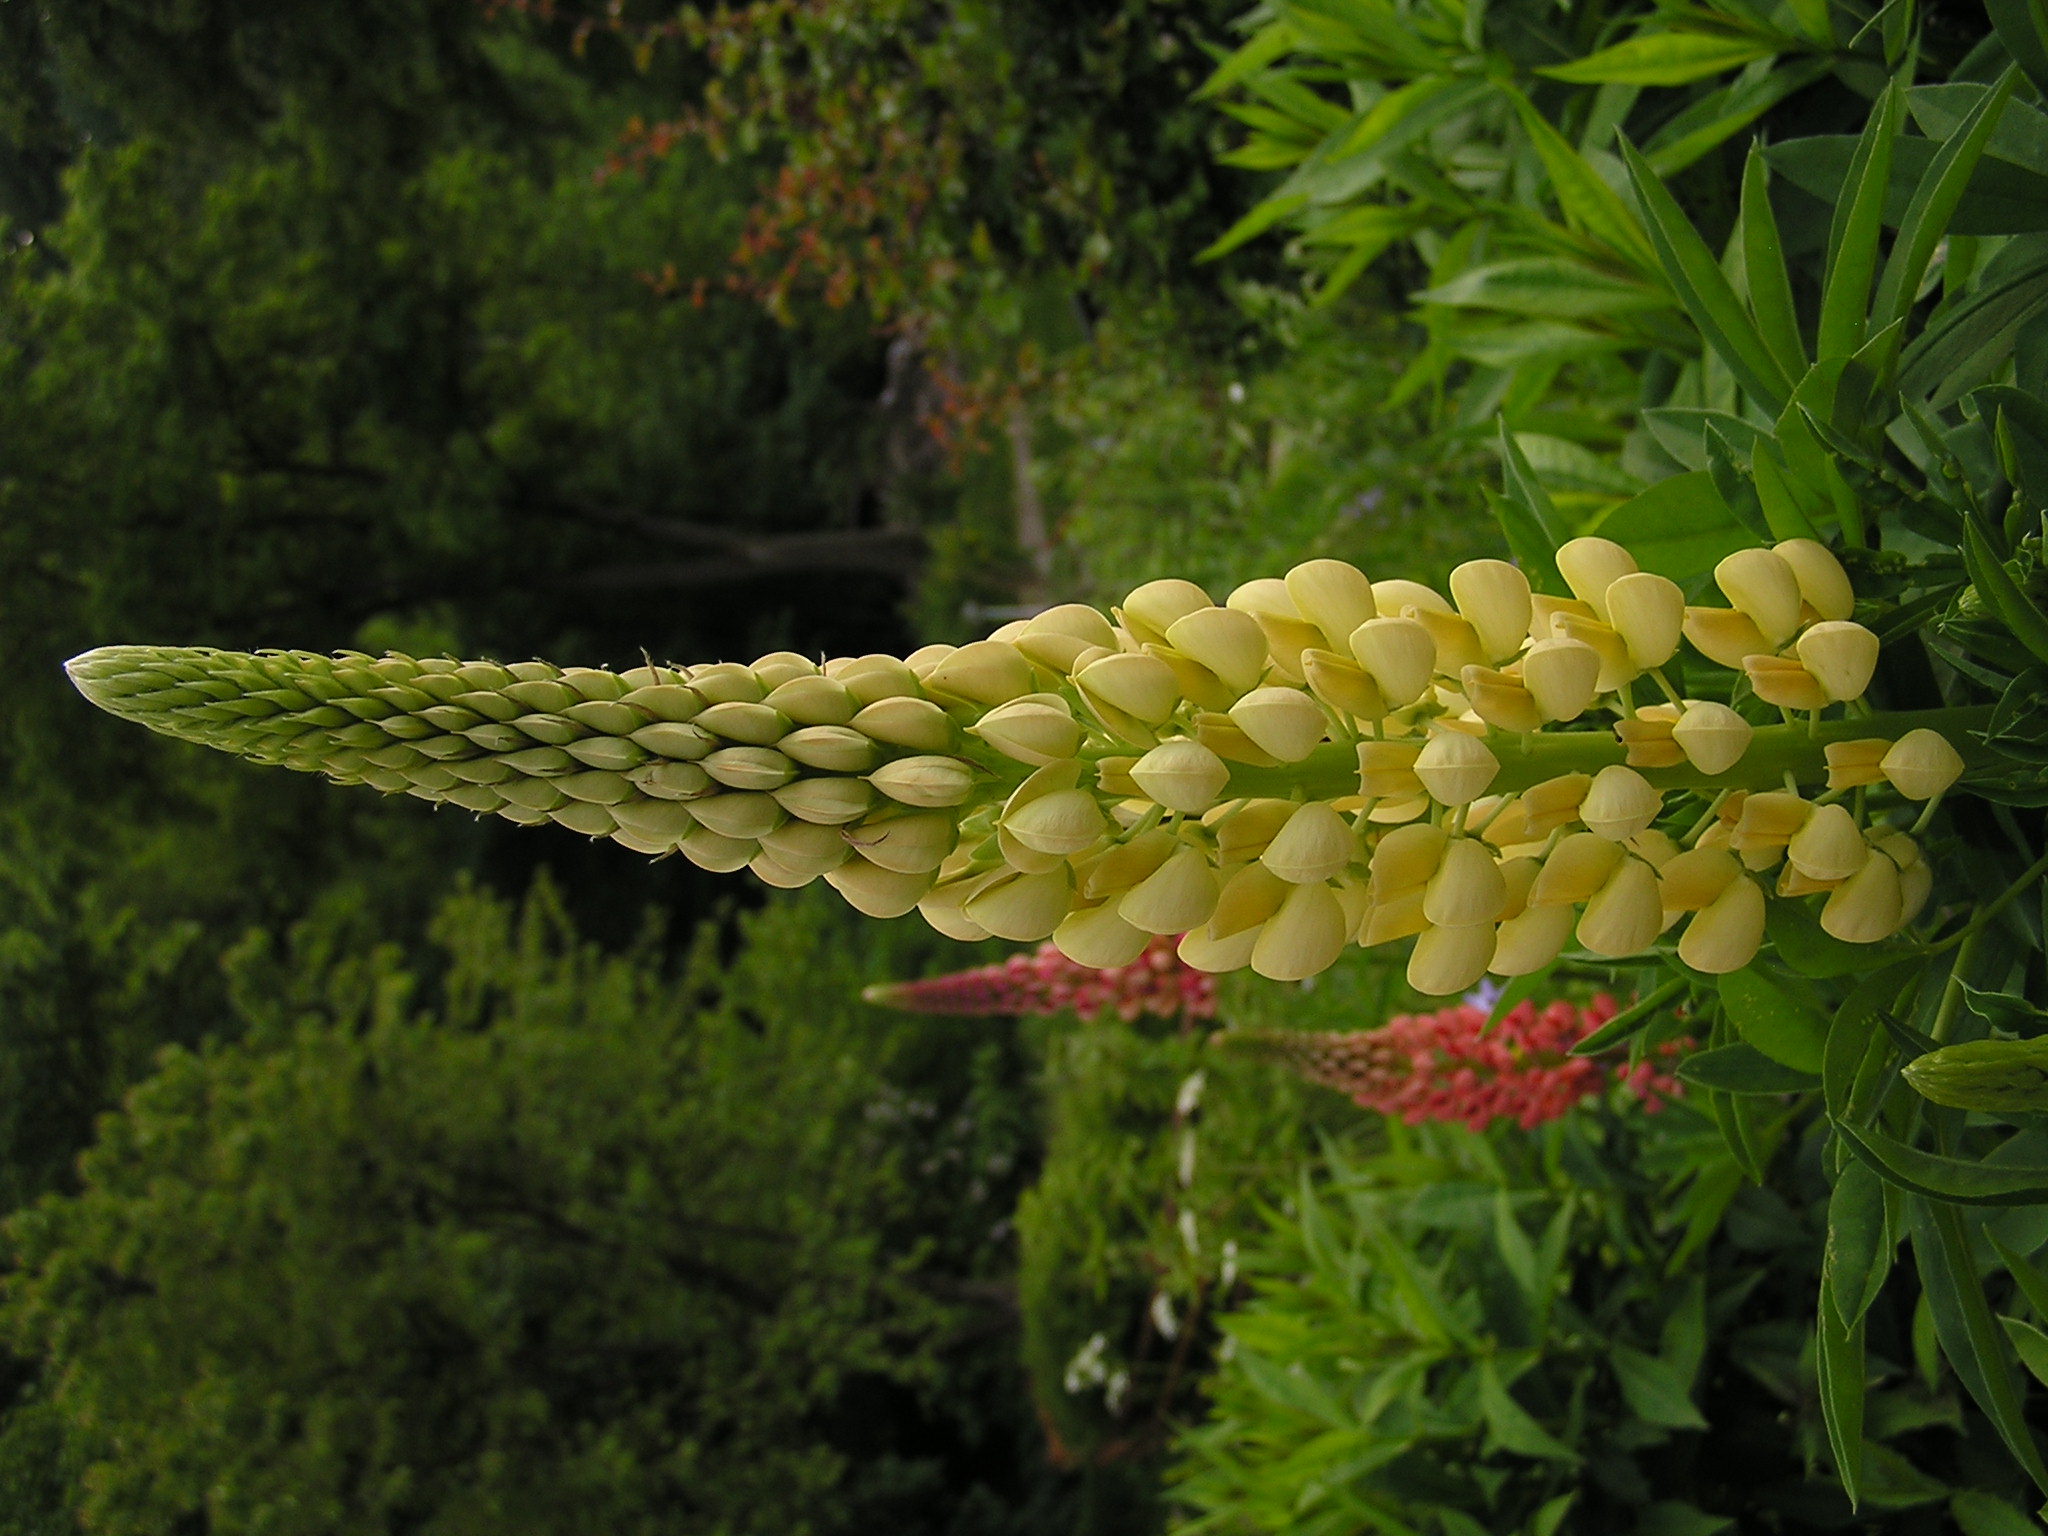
[[1866, 907], [664, 822], [1855, 763], [1448, 960], [1456, 642], [1624, 916], [1386, 769], [1283, 722], [806, 847], [931, 782], [1249, 897], [1226, 738], [753, 724], [1823, 584], [1227, 642], [768, 869], [1023, 908], [1455, 768], [1195, 682], [1616, 667], [1517, 877], [722, 682], [1655, 846], [1768, 820], [1649, 738], [876, 891], [738, 814], [1141, 687], [1727, 932], [1494, 598], [1724, 636], [1552, 804], [873, 678], [1399, 655], [1342, 684], [662, 701], [1896, 846], [779, 667], [985, 672], [1829, 846], [1055, 637], [1405, 858], [1922, 764], [1648, 612], [1064, 822], [1025, 860], [1562, 676], [1577, 867], [1182, 775], [1398, 916], [1128, 864], [1037, 729], [1758, 583], [1393, 598], [1620, 803], [1694, 879], [1177, 896], [827, 802], [1248, 829], [761, 768], [1218, 956], [1315, 845], [911, 844], [1784, 682], [1590, 566], [1500, 700], [814, 700], [1287, 633], [1097, 936], [1303, 938], [1544, 609], [1151, 610], [1712, 736], [1333, 596], [917, 724], [716, 852], [671, 781], [829, 748], [1467, 887], [1530, 940], [1842, 655], [1916, 884]]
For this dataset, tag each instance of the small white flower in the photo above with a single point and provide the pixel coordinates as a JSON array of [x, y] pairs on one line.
[[1189, 1099], [1162, 1316], [1188, 1236], [1186, 1161]]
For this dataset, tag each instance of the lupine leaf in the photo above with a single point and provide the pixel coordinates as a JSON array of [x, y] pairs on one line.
[[1934, 202], [1267, 44], [1533, 528], [1763, 264], [1654, 1390], [1949, 1179], [1994, 584], [1854, 233], [1979, 327], [1838, 1358], [1704, 290], [1661, 58], [1510, 1423], [1723, 114], [1630, 1019], [2022, 25], [1678, 527], [1587, 202], [1742, 1068], [1254, 224], [1859, 1255], [1777, 1023]]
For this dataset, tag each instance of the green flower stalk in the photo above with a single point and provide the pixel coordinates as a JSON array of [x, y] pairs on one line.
[[1321, 760]]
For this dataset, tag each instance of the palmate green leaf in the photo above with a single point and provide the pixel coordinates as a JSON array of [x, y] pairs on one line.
[[2022, 25], [1950, 1179], [1859, 1244], [1778, 1023], [1970, 1336], [1550, 286], [2021, 137], [1704, 290], [1742, 1068], [1975, 336], [1934, 203], [1661, 58], [1528, 518], [1719, 116], [2001, 198], [1678, 527], [1764, 270], [1839, 1363], [1855, 231], [1586, 201], [1681, 431], [1810, 949]]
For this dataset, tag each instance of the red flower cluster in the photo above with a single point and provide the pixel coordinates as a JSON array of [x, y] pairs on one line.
[[1157, 982], [1448, 1066]]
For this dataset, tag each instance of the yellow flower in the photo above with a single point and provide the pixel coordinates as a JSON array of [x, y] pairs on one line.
[[1494, 598], [1784, 682], [1647, 611], [1624, 916], [1590, 566], [1399, 655], [1759, 584], [1455, 768], [1284, 722], [1712, 736], [1922, 764], [1315, 845], [1727, 932], [1841, 655], [1333, 596], [1181, 775], [1303, 938], [1620, 803], [1448, 960], [1823, 584], [1562, 676]]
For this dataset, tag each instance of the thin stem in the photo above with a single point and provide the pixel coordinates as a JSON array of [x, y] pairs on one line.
[[1663, 682], [1992, 908], [1706, 820], [1952, 990]]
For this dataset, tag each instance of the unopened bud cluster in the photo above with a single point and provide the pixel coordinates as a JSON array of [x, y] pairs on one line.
[[1316, 762], [1158, 983]]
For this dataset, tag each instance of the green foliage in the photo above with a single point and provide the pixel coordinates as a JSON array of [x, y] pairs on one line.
[[525, 1239]]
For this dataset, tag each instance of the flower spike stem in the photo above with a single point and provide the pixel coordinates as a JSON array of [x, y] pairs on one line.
[[1314, 763]]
